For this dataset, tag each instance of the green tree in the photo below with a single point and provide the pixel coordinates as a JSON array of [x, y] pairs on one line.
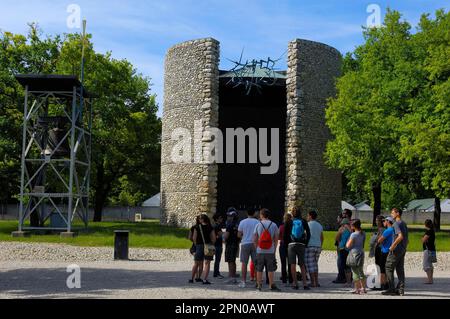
[[126, 130], [378, 81], [426, 129], [19, 54]]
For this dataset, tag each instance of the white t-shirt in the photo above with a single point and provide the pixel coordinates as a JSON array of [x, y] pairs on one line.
[[316, 230], [247, 227]]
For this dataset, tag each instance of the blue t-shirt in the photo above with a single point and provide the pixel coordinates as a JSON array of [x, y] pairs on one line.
[[344, 239], [388, 235]]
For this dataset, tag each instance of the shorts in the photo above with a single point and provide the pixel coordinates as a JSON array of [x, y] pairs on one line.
[[231, 252], [312, 256], [266, 260], [248, 250], [382, 263], [358, 273], [343, 254], [378, 256], [427, 264], [296, 251], [200, 254]]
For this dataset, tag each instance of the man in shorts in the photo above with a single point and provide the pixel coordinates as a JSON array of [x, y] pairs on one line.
[[245, 233], [297, 246], [266, 240]]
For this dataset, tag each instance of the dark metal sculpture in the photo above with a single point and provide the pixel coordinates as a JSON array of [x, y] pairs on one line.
[[254, 73]]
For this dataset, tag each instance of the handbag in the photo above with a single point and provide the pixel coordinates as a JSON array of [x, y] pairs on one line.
[[209, 249], [355, 258]]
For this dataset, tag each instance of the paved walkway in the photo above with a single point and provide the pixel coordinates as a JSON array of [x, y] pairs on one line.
[[154, 279]]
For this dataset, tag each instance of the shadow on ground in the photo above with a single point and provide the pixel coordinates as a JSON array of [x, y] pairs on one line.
[[51, 282]]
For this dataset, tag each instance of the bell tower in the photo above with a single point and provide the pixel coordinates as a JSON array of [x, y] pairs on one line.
[[56, 153]]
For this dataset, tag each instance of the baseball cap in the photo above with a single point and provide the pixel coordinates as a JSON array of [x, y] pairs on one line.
[[390, 219], [232, 212]]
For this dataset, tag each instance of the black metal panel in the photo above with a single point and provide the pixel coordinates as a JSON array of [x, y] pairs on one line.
[[50, 83], [242, 185]]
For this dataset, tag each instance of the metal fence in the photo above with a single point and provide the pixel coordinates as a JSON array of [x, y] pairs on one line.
[[11, 212]]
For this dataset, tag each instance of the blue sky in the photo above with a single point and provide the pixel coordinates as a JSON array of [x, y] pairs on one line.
[[142, 31]]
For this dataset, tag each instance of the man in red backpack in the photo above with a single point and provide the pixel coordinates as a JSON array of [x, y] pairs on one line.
[[266, 241]]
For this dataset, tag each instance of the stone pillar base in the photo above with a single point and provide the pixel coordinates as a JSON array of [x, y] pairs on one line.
[[20, 234]]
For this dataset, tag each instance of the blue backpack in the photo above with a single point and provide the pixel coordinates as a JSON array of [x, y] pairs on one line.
[[297, 234]]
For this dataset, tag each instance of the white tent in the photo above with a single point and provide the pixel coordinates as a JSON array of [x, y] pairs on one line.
[[155, 201], [445, 207], [346, 205], [363, 207]]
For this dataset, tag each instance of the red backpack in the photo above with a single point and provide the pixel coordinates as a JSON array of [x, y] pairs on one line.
[[265, 240]]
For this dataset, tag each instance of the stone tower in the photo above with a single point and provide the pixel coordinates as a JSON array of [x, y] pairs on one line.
[[191, 98]]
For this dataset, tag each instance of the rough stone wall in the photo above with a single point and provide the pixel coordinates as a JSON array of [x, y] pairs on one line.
[[312, 70], [191, 93]]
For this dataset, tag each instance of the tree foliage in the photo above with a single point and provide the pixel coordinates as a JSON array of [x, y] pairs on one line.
[[18, 54], [126, 130], [390, 117]]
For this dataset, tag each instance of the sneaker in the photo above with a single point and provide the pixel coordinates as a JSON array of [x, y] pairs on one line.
[[295, 287], [206, 282], [275, 288], [232, 281], [198, 280], [219, 276], [190, 281], [259, 287], [401, 292], [242, 284]]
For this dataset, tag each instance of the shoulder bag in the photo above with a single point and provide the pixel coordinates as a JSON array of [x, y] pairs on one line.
[[209, 249]]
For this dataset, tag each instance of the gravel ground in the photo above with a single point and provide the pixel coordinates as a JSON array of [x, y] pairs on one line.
[[39, 271]]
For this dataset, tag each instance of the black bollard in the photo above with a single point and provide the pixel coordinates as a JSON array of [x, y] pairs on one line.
[[121, 238]]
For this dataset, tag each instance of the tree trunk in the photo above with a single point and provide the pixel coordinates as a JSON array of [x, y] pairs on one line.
[[376, 190], [437, 214], [99, 199], [98, 207]]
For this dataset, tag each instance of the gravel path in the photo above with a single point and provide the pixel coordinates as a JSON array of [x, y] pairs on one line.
[[39, 271]]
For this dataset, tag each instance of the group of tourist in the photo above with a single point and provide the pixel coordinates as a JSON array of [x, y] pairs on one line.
[[299, 241]]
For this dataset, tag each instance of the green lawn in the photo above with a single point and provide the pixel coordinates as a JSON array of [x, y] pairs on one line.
[[142, 235], [152, 235]]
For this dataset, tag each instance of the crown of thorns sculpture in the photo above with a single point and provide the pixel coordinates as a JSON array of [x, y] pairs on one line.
[[245, 74]]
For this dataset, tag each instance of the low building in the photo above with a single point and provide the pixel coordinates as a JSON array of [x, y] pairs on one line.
[[427, 205], [151, 208], [346, 205]]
